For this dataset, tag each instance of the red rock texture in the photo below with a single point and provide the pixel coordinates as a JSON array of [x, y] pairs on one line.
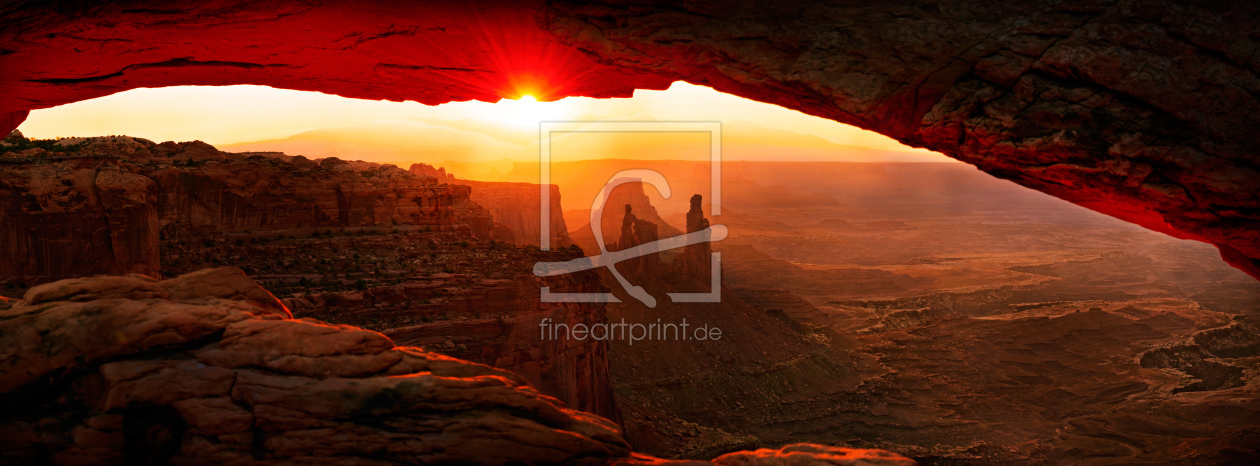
[[493, 321], [232, 192], [75, 216], [208, 368], [98, 208], [809, 454], [1144, 110]]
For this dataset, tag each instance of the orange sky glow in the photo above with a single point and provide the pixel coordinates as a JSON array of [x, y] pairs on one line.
[[240, 118]]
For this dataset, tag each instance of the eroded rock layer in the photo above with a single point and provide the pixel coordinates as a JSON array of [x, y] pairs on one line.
[[74, 216], [209, 368], [1142, 110], [96, 205], [1145, 110]]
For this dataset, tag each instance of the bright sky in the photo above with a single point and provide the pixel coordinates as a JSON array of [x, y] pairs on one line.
[[223, 115]]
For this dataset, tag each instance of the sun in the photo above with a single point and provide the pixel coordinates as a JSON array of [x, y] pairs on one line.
[[526, 111]]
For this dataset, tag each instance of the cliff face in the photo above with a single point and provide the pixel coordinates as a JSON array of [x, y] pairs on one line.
[[232, 192], [100, 215], [210, 368], [1144, 110], [96, 205], [493, 321], [65, 217], [517, 206]]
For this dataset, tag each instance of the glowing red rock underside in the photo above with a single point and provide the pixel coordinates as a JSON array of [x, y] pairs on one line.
[[1146, 111]]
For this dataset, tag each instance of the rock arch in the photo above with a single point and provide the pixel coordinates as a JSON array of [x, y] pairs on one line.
[[1147, 110]]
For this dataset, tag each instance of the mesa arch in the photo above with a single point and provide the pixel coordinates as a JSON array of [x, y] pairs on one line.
[[1144, 110]]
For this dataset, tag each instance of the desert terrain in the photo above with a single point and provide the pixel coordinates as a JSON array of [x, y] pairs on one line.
[[927, 309]]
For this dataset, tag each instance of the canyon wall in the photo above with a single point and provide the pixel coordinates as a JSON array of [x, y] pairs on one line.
[[204, 188], [73, 216], [1144, 110], [96, 205], [516, 206], [493, 321]]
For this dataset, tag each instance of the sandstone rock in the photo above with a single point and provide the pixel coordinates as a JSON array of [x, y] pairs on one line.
[[98, 207], [209, 368], [264, 194], [1133, 109], [1146, 111], [215, 363], [75, 217], [805, 454], [629, 194], [635, 232], [437, 173]]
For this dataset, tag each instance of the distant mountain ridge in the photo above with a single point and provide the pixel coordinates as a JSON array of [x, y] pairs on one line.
[[436, 141]]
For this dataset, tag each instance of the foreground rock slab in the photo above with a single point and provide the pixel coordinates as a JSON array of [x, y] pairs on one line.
[[209, 367]]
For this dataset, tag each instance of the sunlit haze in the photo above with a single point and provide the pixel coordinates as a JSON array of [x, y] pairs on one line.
[[241, 118]]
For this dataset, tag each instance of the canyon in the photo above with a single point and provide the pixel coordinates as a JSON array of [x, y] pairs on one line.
[[854, 312], [934, 312], [209, 368], [188, 206]]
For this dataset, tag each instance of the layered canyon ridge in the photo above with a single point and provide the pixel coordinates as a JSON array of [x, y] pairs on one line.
[[420, 275], [68, 215]]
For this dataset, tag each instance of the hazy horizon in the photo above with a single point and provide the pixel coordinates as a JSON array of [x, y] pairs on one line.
[[259, 118]]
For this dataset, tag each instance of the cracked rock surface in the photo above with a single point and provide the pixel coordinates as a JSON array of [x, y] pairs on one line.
[[1144, 110], [209, 368]]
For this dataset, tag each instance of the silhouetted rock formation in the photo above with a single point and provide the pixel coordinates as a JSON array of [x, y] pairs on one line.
[[635, 232], [438, 173], [628, 194], [693, 264], [517, 207], [210, 368], [1142, 110]]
